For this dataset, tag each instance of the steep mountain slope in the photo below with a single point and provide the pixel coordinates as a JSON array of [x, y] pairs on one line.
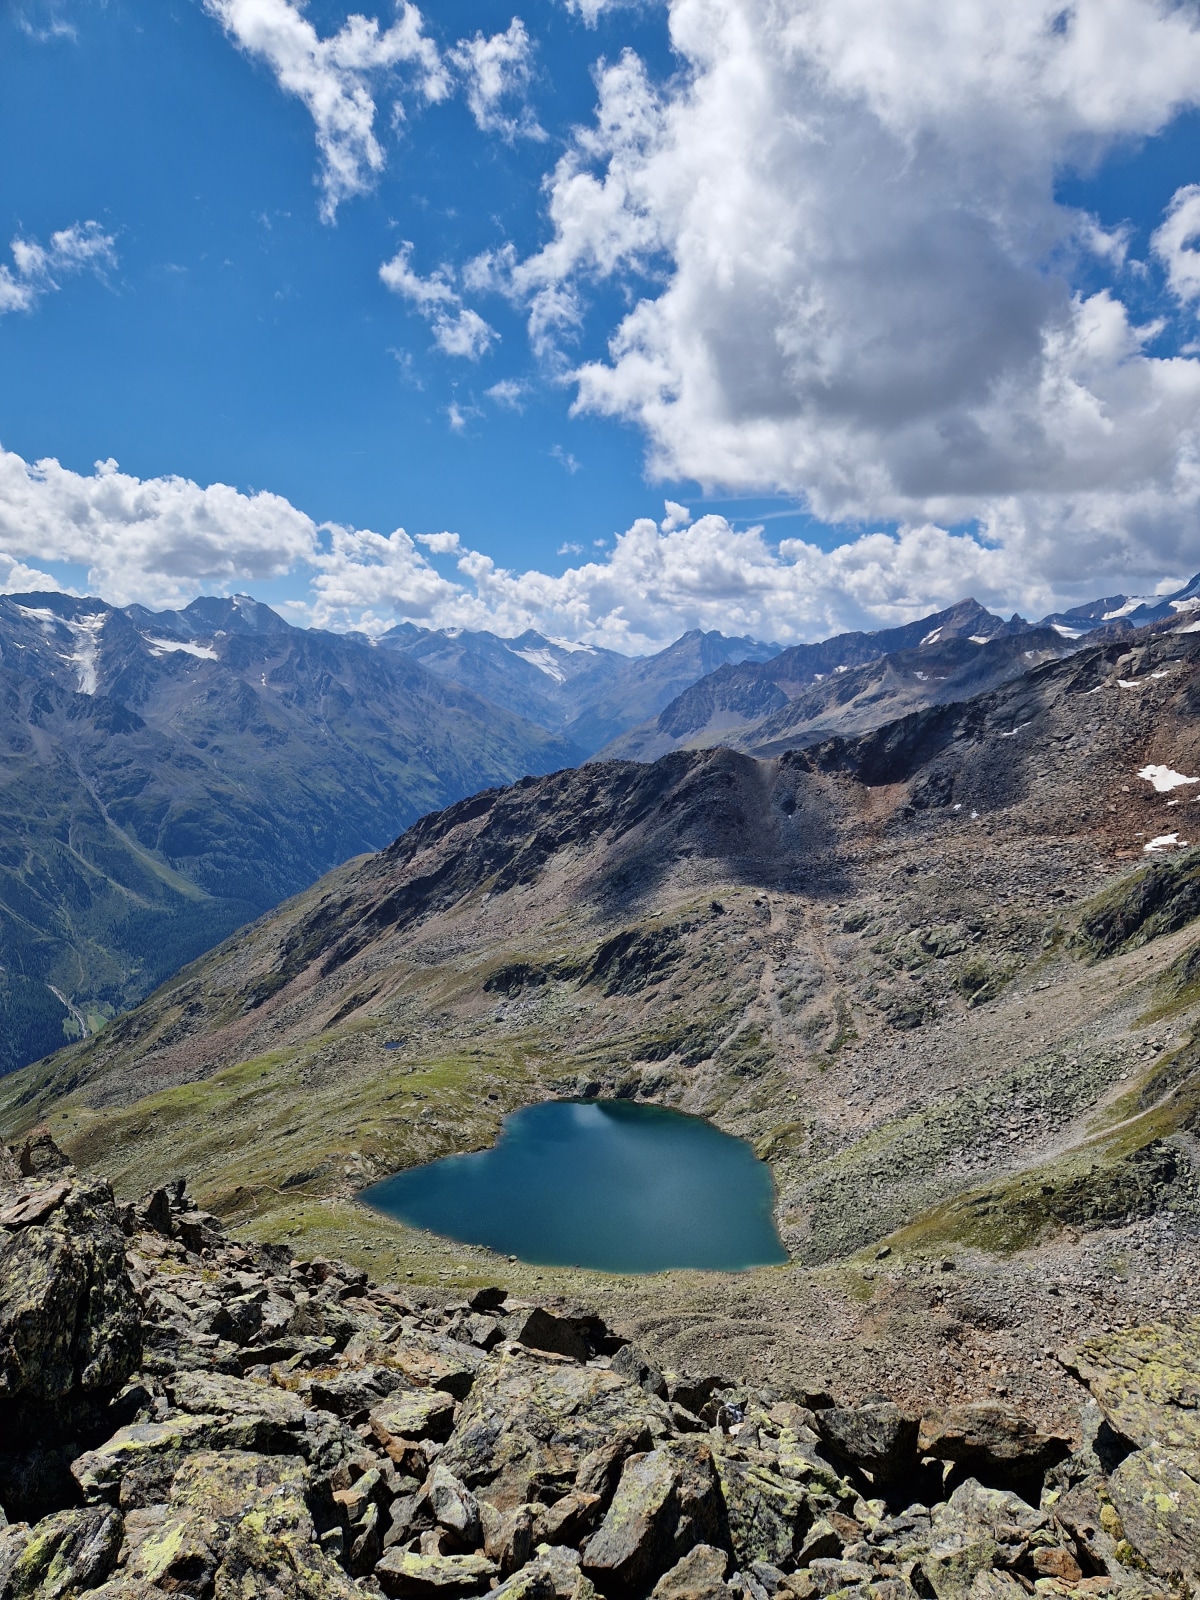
[[168, 777], [587, 694]]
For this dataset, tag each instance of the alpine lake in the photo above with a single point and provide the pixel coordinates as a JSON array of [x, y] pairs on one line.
[[605, 1184]]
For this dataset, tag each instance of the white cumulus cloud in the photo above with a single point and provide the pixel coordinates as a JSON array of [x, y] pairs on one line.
[[333, 77], [654, 584], [1177, 243], [162, 541], [39, 269], [156, 540], [852, 280]]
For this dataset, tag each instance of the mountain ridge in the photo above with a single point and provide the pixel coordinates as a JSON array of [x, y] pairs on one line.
[[763, 706]]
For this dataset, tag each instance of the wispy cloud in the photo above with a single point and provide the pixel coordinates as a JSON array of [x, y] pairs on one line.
[[458, 330], [497, 70], [509, 393], [39, 269], [334, 78]]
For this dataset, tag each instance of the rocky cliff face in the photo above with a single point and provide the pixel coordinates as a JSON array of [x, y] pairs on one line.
[[259, 1425]]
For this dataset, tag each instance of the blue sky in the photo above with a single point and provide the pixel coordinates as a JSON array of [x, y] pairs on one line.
[[934, 335], [243, 339]]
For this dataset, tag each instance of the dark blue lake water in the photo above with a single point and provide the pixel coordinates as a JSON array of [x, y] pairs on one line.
[[602, 1184]]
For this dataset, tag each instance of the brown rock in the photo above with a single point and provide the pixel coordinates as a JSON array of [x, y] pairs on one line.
[[413, 1414], [570, 1519], [35, 1206], [508, 1536], [1056, 1563]]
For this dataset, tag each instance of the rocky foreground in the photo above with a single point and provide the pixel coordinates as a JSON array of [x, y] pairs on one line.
[[183, 1414]]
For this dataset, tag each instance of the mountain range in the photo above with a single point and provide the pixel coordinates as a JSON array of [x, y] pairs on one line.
[[585, 694], [170, 776], [857, 681], [173, 775], [941, 974]]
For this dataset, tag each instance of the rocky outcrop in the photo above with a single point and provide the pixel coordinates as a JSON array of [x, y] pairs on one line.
[[70, 1329], [1147, 1384], [242, 1425]]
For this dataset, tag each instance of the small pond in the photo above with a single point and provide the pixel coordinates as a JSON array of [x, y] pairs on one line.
[[604, 1184]]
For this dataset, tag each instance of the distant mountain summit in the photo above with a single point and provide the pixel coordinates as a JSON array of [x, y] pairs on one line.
[[1122, 611], [587, 694], [855, 682]]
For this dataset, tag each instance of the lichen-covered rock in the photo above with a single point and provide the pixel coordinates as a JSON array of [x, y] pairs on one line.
[[530, 1422], [69, 1325], [1147, 1382], [978, 1530], [238, 1526], [993, 1442], [65, 1554], [667, 1502], [767, 1513], [531, 1582], [433, 1361], [407, 1575], [413, 1414], [877, 1439], [137, 1465], [1159, 1506], [218, 1394], [699, 1575]]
